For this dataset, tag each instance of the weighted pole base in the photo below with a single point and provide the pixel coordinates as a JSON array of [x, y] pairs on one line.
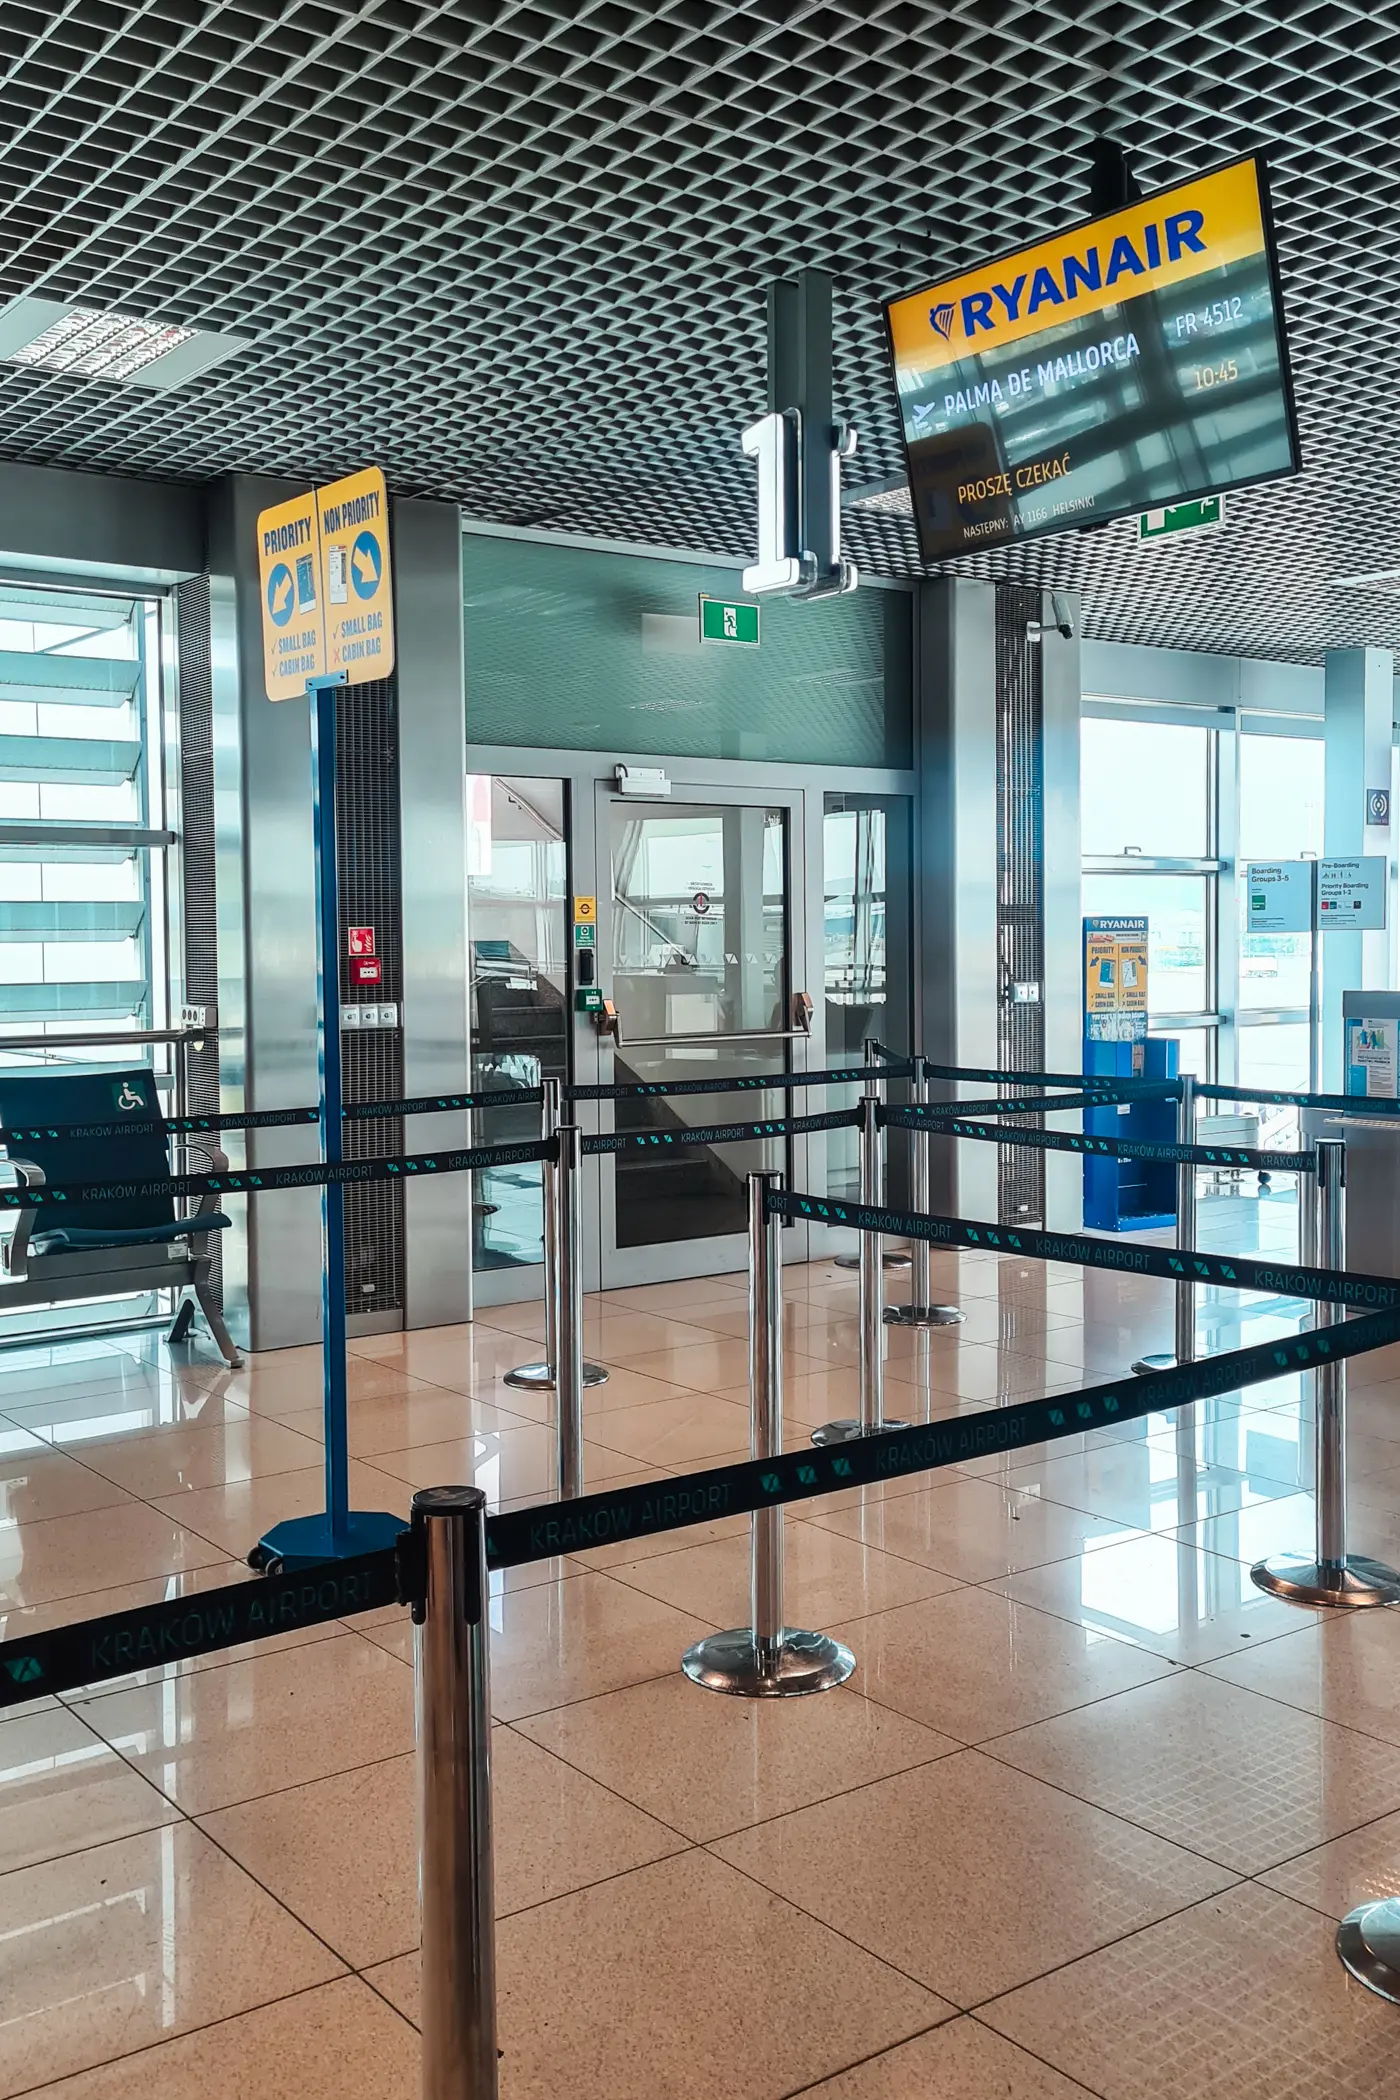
[[540, 1377], [1159, 1360], [301, 1542], [1350, 1583], [788, 1668], [1368, 1946], [848, 1432], [898, 1260], [924, 1316]]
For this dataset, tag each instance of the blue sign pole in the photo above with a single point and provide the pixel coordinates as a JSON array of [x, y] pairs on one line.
[[340, 1531]]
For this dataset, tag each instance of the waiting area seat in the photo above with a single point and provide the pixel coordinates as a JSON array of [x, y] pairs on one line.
[[117, 1245]]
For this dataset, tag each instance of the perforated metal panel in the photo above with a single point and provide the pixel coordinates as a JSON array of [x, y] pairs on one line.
[[518, 253], [1020, 729]]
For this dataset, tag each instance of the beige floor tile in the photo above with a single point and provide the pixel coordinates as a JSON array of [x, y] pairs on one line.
[[1240, 1998], [708, 1764], [338, 2042], [180, 1461], [826, 1577], [284, 1381], [342, 1853], [235, 1517], [62, 1789], [41, 1483], [1139, 1486], [711, 1365], [115, 1948], [961, 2060], [509, 1464], [682, 1978], [1362, 1867], [684, 1432], [679, 1298], [1160, 1594], [974, 1665], [975, 1530], [966, 1911], [1288, 1525], [271, 1722], [66, 1556], [1343, 1666], [552, 1645], [1237, 1777], [398, 1421], [135, 1408]]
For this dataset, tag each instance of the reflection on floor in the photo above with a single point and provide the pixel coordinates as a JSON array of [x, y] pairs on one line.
[[1081, 1824]]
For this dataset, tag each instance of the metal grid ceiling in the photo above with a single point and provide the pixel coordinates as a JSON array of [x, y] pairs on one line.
[[517, 252]]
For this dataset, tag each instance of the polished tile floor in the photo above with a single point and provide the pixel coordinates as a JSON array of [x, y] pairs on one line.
[[1082, 1823]]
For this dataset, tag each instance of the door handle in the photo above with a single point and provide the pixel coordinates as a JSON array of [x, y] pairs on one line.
[[608, 1021], [802, 1013]]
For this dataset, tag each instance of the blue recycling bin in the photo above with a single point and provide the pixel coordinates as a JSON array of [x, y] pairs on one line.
[[1131, 1195]]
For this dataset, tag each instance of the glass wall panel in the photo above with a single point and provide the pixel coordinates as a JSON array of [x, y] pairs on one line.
[[1144, 788], [1176, 908], [868, 974], [518, 930], [1281, 797]]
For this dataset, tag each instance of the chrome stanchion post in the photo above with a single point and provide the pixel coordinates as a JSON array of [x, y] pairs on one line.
[[766, 1659], [540, 1376], [872, 1299], [921, 1311], [455, 1866], [893, 1257], [1184, 1325], [568, 1309], [1333, 1576]]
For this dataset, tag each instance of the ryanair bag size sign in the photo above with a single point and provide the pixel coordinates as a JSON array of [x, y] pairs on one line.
[[1137, 360], [327, 585]]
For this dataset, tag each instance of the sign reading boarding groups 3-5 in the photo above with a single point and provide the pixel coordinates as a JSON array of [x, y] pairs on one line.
[[327, 585], [1135, 361]]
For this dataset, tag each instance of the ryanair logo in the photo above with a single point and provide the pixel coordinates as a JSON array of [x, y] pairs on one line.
[[1092, 269]]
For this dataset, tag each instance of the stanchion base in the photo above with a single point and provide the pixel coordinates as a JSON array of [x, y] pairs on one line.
[[848, 1432], [300, 1542], [1356, 1582], [924, 1316], [1159, 1360], [1368, 1945], [799, 1663], [898, 1260], [540, 1377]]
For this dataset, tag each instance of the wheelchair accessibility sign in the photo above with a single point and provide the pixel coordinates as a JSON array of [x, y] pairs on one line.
[[128, 1098]]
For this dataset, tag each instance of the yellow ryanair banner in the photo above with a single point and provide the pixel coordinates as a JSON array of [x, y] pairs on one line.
[[1202, 225]]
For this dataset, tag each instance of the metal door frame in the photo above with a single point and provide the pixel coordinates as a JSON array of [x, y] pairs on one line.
[[744, 781], [670, 1261]]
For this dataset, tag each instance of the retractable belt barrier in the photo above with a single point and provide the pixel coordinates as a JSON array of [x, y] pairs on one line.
[[919, 1114], [720, 1133], [252, 1181], [952, 1124], [1347, 1104], [754, 1083], [277, 1118], [1133, 1257]]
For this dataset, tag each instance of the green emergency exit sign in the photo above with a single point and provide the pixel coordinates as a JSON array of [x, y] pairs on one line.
[[722, 621], [1206, 514]]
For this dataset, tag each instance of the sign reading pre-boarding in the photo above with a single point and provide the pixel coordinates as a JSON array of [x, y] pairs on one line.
[[1115, 980], [327, 585]]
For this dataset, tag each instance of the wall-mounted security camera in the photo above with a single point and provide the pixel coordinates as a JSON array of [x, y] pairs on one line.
[[1063, 622]]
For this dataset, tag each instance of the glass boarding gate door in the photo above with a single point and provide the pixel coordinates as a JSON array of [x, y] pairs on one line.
[[701, 932]]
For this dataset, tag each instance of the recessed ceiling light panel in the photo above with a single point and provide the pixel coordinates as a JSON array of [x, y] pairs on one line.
[[84, 342]]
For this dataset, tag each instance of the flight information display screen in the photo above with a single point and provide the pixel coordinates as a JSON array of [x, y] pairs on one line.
[[1139, 359]]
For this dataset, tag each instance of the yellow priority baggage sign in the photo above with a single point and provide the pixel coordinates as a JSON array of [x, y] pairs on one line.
[[326, 578]]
